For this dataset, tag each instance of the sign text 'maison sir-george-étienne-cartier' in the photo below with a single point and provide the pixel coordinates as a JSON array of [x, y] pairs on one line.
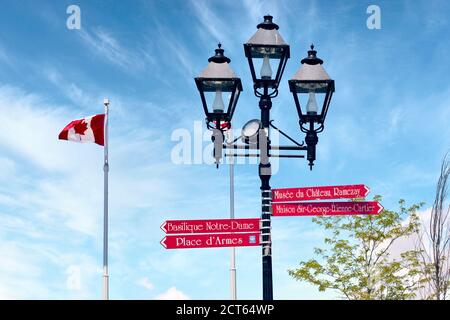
[[326, 208]]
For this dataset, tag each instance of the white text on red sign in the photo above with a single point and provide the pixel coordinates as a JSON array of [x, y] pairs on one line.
[[320, 193], [326, 208], [211, 240], [210, 226]]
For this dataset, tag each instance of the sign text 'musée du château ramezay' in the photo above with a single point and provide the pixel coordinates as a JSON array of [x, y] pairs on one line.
[[320, 193]]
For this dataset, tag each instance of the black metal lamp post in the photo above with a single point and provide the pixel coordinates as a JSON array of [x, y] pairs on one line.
[[265, 50], [313, 80]]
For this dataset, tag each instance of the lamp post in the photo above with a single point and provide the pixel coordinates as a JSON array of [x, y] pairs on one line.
[[268, 48], [266, 51]]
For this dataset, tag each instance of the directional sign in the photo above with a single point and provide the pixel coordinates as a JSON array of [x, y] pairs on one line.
[[320, 193], [211, 240], [210, 226], [326, 208]]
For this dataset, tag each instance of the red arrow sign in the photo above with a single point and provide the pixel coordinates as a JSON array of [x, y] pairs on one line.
[[211, 240], [210, 226], [326, 208], [320, 193]]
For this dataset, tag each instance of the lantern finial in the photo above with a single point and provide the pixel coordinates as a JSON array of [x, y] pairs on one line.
[[312, 59], [219, 57], [268, 23]]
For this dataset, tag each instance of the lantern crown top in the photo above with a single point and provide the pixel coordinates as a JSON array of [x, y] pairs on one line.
[[219, 57], [268, 23], [312, 59], [267, 34], [218, 66]]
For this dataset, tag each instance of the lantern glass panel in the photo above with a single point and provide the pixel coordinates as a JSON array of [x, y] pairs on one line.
[[266, 68], [218, 101], [311, 102]]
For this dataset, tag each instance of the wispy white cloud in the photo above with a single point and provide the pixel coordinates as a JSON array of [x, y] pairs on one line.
[[106, 46], [86, 99], [172, 49], [69, 89], [15, 261], [29, 127], [7, 168], [145, 282], [259, 8], [211, 22], [172, 294], [38, 270]]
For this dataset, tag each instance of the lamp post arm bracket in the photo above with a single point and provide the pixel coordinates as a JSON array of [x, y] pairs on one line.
[[285, 135], [235, 140]]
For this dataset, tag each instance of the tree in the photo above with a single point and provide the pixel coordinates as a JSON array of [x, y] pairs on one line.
[[358, 263], [435, 246]]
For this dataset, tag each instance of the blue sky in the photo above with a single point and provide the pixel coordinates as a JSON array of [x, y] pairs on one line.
[[387, 127]]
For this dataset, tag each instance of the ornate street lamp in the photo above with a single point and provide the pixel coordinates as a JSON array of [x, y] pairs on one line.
[[215, 80], [312, 79], [267, 50], [314, 82]]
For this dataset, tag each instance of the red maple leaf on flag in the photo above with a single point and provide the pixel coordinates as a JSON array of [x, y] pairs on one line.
[[89, 129], [80, 127]]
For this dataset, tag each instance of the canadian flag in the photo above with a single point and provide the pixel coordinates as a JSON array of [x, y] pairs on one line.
[[89, 129]]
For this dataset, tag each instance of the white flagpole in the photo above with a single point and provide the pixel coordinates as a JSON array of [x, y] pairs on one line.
[[233, 250], [105, 208]]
